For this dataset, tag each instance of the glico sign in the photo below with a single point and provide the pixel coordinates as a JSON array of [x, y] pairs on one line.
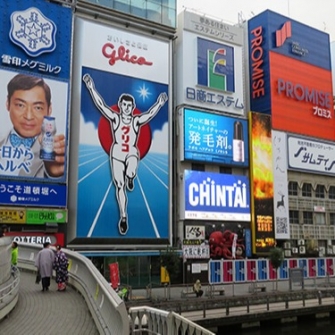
[[290, 75]]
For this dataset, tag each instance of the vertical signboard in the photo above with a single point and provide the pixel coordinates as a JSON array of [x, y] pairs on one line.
[[298, 95], [262, 186], [34, 75], [283, 270], [123, 164], [215, 272], [209, 64], [228, 271], [251, 270], [114, 275], [280, 186]]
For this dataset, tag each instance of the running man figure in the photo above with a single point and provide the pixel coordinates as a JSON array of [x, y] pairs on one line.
[[124, 154]]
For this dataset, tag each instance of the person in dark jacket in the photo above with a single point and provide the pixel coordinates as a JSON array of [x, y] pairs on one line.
[[60, 265]]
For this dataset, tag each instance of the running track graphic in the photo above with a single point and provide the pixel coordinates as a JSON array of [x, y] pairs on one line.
[[97, 208]]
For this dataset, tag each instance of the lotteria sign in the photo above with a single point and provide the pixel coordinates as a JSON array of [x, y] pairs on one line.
[[215, 196], [37, 238]]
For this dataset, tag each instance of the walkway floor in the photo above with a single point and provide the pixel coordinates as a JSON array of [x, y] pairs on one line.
[[48, 313]]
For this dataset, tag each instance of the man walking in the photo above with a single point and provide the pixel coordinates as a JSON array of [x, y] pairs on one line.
[[44, 263]]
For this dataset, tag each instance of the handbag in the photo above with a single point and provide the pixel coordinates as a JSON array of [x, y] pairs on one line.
[[38, 278]]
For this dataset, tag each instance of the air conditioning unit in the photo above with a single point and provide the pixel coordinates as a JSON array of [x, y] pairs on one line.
[[302, 250], [322, 251], [295, 250], [301, 242], [287, 253], [330, 250], [287, 245]]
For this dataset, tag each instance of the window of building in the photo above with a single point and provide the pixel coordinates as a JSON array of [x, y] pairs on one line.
[[162, 11], [294, 217], [332, 192], [320, 191], [292, 188], [307, 190], [320, 218], [226, 170], [198, 167], [332, 218], [308, 217]]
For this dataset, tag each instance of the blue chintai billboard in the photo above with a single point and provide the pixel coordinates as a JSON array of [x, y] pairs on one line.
[[215, 138], [215, 196]]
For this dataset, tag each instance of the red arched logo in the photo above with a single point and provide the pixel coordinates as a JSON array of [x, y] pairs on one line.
[[106, 136]]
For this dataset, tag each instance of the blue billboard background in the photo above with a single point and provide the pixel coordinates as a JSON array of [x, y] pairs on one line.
[[54, 63], [32, 194], [209, 137], [148, 204], [203, 189]]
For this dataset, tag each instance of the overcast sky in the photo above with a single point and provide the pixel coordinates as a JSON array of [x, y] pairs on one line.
[[319, 14]]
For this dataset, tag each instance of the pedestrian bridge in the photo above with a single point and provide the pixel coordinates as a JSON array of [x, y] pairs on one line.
[[89, 305]]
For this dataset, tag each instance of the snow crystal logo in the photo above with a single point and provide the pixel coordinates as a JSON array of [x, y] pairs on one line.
[[33, 32]]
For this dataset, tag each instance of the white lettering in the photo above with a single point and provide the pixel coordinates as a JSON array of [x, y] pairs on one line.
[[33, 239], [210, 194]]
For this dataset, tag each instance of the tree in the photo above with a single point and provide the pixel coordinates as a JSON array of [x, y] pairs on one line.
[[170, 259], [276, 259]]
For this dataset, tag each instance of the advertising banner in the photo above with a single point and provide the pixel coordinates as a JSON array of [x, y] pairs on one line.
[[123, 167], [12, 215], [209, 72], [302, 99], [194, 232], [298, 95], [196, 251], [214, 196], [36, 216], [21, 215], [311, 156], [214, 138], [262, 188], [228, 271], [32, 194], [280, 186], [215, 272], [114, 275], [35, 72]]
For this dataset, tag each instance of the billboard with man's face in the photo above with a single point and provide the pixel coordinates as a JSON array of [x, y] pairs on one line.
[[123, 162], [34, 74]]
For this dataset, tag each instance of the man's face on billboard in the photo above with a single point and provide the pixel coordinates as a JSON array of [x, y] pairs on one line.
[[126, 107], [27, 109]]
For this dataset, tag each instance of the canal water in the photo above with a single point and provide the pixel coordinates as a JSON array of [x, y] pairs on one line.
[[320, 327]]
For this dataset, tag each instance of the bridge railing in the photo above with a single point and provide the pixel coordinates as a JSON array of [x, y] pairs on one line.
[[9, 285], [149, 320], [108, 310]]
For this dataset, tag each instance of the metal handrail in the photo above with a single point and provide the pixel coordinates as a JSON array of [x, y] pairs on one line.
[[156, 321], [11, 289]]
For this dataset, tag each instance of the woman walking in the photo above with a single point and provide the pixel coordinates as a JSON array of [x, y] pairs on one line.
[[61, 264]]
